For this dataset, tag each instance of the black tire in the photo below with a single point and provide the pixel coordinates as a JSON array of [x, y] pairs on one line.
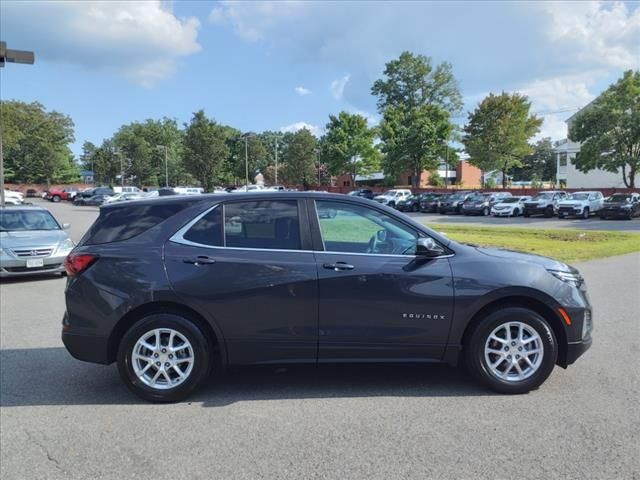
[[201, 353], [560, 216], [55, 198], [392, 204], [585, 213], [485, 212], [415, 208], [516, 212], [476, 363], [525, 214], [548, 212]]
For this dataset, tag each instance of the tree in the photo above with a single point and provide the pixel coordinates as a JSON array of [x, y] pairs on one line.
[[412, 139], [541, 164], [256, 154], [347, 147], [609, 130], [300, 158], [205, 149], [412, 81], [498, 132], [36, 142]]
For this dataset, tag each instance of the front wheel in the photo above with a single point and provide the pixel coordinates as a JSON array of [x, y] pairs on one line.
[[512, 350], [164, 358], [516, 212], [55, 198], [485, 212], [548, 212], [585, 213]]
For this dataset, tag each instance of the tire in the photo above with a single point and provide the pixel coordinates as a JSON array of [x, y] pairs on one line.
[[548, 212], [415, 208], [485, 212], [585, 213], [196, 372], [516, 212], [477, 360], [55, 198], [392, 204], [603, 217], [525, 214], [560, 216]]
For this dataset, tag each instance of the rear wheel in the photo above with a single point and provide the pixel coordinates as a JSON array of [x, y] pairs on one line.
[[516, 212], [548, 212], [512, 350], [414, 208], [164, 358]]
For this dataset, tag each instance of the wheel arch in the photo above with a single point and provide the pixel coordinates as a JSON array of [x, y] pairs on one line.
[[534, 304], [215, 340]]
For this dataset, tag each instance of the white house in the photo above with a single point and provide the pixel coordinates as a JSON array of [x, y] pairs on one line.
[[568, 175]]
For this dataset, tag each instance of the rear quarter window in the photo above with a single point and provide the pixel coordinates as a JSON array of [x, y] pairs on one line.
[[123, 223]]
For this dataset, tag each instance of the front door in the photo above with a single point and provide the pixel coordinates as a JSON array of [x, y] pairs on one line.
[[244, 264], [377, 300]]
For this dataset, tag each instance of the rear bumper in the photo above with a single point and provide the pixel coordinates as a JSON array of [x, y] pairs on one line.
[[87, 348]]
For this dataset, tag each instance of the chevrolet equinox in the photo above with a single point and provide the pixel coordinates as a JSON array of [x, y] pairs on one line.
[[173, 287]]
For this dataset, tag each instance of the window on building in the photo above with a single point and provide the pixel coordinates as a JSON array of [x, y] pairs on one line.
[[563, 159]]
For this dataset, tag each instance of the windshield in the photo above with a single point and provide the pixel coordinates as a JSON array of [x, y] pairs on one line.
[[510, 200], [24, 220], [619, 198], [456, 197], [578, 196], [543, 196]]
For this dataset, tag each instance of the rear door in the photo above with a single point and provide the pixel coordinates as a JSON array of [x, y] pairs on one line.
[[248, 264], [377, 301]]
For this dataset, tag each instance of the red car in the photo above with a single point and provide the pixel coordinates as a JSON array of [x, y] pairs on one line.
[[57, 194]]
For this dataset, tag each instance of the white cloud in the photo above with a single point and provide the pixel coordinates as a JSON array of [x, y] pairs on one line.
[[302, 91], [141, 40], [294, 127], [337, 86]]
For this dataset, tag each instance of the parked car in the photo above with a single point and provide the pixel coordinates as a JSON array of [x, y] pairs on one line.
[[621, 205], [429, 202], [581, 204], [544, 203], [32, 242], [124, 197], [32, 193], [481, 203], [90, 192], [392, 197], [188, 190], [95, 200], [510, 206], [57, 194], [13, 198], [126, 189], [453, 203], [362, 192], [409, 204], [212, 281]]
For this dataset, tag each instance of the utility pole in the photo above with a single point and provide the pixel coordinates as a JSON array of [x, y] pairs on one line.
[[318, 159], [246, 137], [166, 163], [11, 56]]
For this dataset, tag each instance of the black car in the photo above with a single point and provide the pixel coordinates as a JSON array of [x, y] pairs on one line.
[[174, 287], [481, 203], [91, 192], [94, 200], [409, 204], [621, 205], [429, 202], [363, 193], [453, 203]]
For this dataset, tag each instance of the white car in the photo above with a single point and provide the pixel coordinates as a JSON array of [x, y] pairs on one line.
[[123, 197], [509, 207], [129, 189], [13, 198], [581, 204], [392, 197], [189, 190]]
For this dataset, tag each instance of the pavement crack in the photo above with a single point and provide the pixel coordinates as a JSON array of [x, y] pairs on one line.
[[46, 451]]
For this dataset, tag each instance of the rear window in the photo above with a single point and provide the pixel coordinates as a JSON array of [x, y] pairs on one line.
[[123, 223]]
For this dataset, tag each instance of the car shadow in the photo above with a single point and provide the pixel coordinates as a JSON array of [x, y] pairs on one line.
[[36, 277], [50, 376]]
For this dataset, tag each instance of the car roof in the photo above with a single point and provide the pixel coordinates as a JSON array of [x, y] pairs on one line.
[[14, 208]]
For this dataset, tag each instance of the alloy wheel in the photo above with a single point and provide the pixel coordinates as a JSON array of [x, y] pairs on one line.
[[162, 358], [513, 351]]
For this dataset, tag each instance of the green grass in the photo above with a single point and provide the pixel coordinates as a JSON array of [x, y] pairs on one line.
[[567, 245]]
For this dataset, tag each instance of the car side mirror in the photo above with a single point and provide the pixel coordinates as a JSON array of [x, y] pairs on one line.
[[66, 226], [429, 248]]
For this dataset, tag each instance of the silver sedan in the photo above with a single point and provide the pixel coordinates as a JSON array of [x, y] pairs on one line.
[[31, 242]]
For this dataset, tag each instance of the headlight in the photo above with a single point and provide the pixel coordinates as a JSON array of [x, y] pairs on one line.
[[574, 279], [66, 245], [626, 207]]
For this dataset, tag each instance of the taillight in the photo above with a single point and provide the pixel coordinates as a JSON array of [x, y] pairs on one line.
[[77, 263]]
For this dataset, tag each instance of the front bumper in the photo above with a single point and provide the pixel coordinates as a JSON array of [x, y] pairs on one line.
[[474, 210], [614, 213], [17, 267], [502, 213], [537, 210], [569, 211], [575, 350], [448, 209]]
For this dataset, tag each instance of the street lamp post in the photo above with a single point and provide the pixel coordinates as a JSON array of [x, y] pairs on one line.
[[246, 137], [166, 163], [318, 160], [276, 161], [11, 56]]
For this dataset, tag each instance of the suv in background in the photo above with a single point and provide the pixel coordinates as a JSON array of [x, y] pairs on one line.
[[174, 287], [581, 204], [392, 197], [621, 205], [409, 204], [91, 192], [544, 203], [453, 203]]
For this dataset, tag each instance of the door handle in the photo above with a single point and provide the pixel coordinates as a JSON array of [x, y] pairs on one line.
[[199, 260], [338, 266]]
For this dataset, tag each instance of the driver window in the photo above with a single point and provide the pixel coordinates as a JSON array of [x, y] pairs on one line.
[[357, 229]]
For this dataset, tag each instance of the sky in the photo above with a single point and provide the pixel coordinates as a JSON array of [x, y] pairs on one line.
[[286, 65]]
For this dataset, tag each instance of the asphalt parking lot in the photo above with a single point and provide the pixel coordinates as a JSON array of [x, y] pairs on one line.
[[61, 418]]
